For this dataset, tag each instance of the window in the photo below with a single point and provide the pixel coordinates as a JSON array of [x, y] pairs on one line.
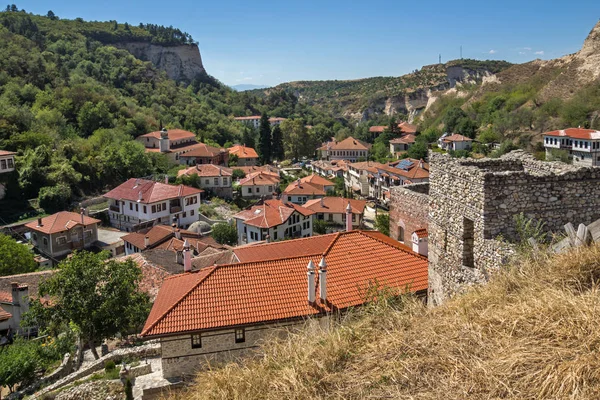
[[275, 235], [3, 164], [249, 190], [353, 217], [183, 215], [224, 181], [240, 335], [45, 241], [401, 234], [270, 188], [196, 341], [192, 213], [131, 206], [61, 240], [145, 210], [207, 181], [87, 234], [257, 190], [136, 207], [468, 242], [10, 163], [330, 217], [154, 209], [191, 200]]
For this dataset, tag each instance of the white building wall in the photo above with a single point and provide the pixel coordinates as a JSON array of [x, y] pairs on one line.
[[258, 190]]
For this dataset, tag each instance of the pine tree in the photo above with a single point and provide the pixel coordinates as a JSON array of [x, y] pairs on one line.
[[248, 138], [277, 143], [264, 139]]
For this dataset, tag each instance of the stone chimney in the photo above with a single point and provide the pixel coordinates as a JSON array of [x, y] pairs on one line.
[[348, 218], [15, 293], [82, 212], [268, 238], [187, 257], [40, 224], [146, 241], [311, 282], [322, 202], [179, 257], [177, 234], [166, 179], [323, 279], [298, 182], [20, 300]]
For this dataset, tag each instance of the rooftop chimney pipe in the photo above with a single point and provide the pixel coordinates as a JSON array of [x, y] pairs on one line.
[[311, 282], [323, 279], [187, 257], [348, 218], [146, 241]]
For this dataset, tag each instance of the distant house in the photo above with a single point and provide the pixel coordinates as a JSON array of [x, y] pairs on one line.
[[275, 219], [404, 128], [166, 238], [309, 187], [139, 202], [265, 169], [330, 169], [348, 149], [60, 234], [204, 154], [7, 164], [334, 210], [259, 184], [455, 142], [247, 156], [213, 178], [254, 121], [582, 145], [221, 313], [403, 172], [172, 142], [402, 144], [356, 178]]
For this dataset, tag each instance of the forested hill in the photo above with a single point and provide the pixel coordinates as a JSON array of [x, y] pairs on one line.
[[71, 105], [369, 98]]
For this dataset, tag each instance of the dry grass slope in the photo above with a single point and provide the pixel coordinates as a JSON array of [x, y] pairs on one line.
[[532, 333]]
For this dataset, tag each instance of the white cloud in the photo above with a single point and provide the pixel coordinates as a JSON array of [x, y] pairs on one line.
[[527, 48], [539, 53], [522, 52], [493, 51]]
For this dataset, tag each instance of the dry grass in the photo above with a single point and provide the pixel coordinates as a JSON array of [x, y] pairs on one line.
[[532, 333]]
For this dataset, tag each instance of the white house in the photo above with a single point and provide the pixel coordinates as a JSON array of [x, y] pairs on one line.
[[309, 187], [275, 219], [259, 184], [139, 202], [420, 242], [455, 142], [7, 164], [582, 145], [212, 177], [348, 149], [254, 120]]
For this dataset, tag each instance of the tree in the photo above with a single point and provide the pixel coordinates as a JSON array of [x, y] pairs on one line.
[[320, 227], [277, 151], [382, 224], [93, 116], [248, 137], [51, 15], [297, 142], [264, 139], [225, 234], [233, 160], [16, 258], [238, 174], [100, 296], [18, 363], [417, 151], [452, 118], [54, 198]]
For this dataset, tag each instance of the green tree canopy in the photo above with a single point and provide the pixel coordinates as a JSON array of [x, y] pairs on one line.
[[225, 234], [382, 224], [16, 258], [264, 139], [277, 150], [18, 363]]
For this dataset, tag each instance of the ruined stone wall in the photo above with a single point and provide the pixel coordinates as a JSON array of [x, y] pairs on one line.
[[409, 206], [472, 203]]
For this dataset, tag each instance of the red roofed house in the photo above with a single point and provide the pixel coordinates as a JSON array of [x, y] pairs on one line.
[[333, 210], [247, 156], [140, 201], [254, 121], [583, 145], [204, 154], [7, 164], [172, 142], [455, 142], [213, 178], [223, 312], [331, 169], [419, 241], [309, 187], [165, 237], [348, 149], [59, 234], [401, 144], [398, 173], [259, 184], [274, 218]]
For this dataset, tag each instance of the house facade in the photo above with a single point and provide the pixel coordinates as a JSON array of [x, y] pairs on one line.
[[60, 234], [212, 178], [309, 278], [259, 184], [356, 178], [400, 145], [273, 220], [173, 143], [246, 156], [333, 210], [254, 121], [139, 202], [7, 164], [582, 145], [455, 142], [404, 172], [204, 154], [307, 188], [348, 149], [330, 169]]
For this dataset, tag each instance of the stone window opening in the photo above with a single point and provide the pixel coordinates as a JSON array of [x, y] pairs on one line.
[[240, 335], [196, 341], [401, 234], [468, 243]]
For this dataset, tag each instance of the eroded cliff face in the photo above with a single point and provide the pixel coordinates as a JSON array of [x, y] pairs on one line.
[[181, 63]]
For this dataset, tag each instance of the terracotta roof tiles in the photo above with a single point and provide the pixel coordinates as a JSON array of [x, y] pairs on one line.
[[61, 221], [270, 213], [335, 205], [174, 134], [576, 133], [243, 151], [150, 191], [206, 170]]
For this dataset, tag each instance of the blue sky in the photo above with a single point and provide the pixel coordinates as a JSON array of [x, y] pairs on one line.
[[269, 42]]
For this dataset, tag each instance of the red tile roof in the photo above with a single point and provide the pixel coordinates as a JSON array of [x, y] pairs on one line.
[[7, 153], [151, 192], [421, 233], [265, 169], [347, 144], [153, 275], [32, 280], [270, 213], [405, 127], [260, 178], [243, 151], [163, 237], [406, 139], [576, 133], [284, 249], [457, 138], [5, 297], [272, 290], [174, 134], [202, 150], [335, 205], [4, 315], [418, 170], [61, 221], [157, 234], [206, 170], [377, 129], [310, 185]]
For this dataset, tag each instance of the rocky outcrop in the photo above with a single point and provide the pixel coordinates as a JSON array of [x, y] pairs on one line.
[[181, 63]]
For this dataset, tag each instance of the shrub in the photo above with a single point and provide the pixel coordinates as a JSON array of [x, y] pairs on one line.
[[382, 224], [54, 198], [225, 234], [109, 366]]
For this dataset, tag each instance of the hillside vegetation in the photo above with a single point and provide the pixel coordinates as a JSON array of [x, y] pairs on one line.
[[531, 333]]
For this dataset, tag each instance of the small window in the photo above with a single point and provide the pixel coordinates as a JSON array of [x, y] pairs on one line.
[[401, 234], [61, 240], [224, 181], [136, 207], [249, 190], [10, 163], [216, 181], [131, 206], [196, 341], [207, 181], [240, 335], [145, 210], [192, 213], [257, 190], [45, 241]]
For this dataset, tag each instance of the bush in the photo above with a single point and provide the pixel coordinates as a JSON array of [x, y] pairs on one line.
[[320, 226], [225, 234], [109, 366], [382, 224], [54, 198], [238, 174]]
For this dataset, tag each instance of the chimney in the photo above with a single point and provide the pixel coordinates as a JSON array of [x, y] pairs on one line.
[[140, 196], [166, 179], [348, 218], [146, 241], [298, 182], [187, 257], [179, 257], [82, 216], [311, 282], [268, 238], [421, 163], [323, 280], [322, 202], [40, 222], [178, 234], [15, 293]]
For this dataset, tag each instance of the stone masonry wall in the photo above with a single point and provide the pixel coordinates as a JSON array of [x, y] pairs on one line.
[[409, 206], [474, 202]]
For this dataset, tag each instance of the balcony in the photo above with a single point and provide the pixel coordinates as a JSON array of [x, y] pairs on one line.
[[175, 209], [114, 208]]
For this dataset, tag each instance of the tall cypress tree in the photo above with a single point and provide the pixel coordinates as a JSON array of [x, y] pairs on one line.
[[264, 139], [248, 137], [277, 143]]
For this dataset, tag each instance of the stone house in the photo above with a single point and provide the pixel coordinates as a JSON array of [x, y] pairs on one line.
[[212, 178], [307, 188], [348, 149], [334, 210], [455, 142], [246, 156], [474, 202], [139, 202], [259, 184], [224, 312], [173, 143], [275, 220], [204, 154], [409, 210], [582, 145], [59, 234]]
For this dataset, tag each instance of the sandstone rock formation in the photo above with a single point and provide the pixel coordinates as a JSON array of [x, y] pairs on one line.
[[181, 63]]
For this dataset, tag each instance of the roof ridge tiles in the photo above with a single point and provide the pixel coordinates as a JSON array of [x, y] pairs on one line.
[[402, 247]]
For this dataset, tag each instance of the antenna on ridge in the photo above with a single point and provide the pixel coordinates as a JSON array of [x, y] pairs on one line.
[[440, 59], [461, 51]]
